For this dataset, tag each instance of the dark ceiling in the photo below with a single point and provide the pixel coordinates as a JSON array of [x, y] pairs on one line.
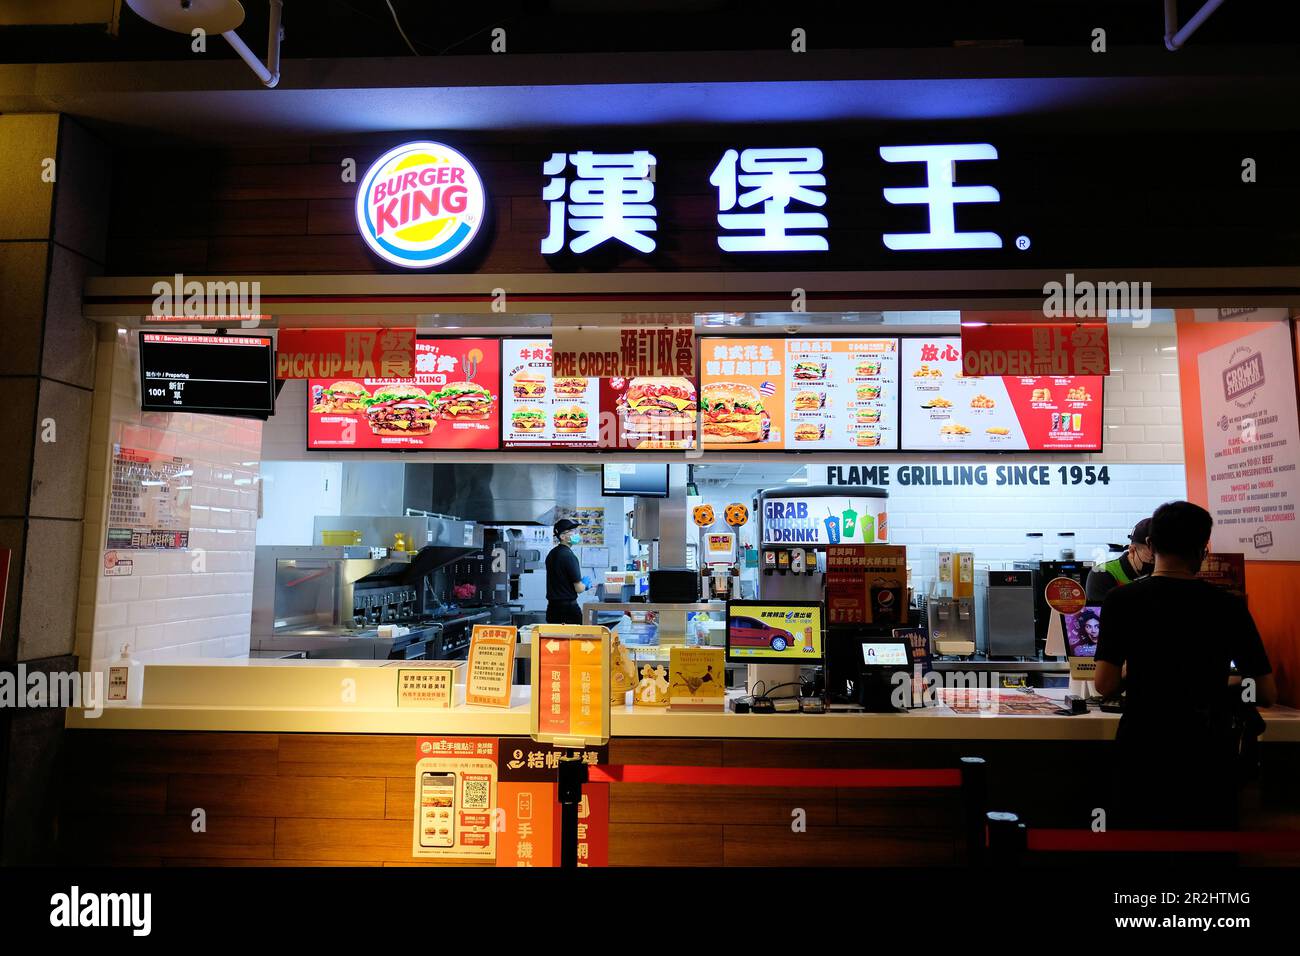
[[365, 28]]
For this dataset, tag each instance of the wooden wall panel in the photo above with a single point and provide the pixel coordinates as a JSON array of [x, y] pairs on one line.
[[665, 844], [94, 838], [280, 796], [654, 803], [347, 755], [836, 846]]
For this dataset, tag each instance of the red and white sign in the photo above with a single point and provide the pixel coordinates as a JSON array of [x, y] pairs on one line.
[[450, 402], [345, 353], [1065, 595], [993, 347], [612, 351], [943, 408]]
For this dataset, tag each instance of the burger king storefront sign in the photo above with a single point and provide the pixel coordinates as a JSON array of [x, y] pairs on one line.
[[420, 204]]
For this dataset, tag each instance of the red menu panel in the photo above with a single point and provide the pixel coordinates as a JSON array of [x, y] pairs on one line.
[[451, 403]]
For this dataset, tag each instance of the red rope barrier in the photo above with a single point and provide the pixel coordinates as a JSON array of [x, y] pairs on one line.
[[772, 777], [1169, 841]]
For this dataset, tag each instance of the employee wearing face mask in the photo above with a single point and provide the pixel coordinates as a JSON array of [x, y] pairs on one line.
[[1136, 561], [564, 580]]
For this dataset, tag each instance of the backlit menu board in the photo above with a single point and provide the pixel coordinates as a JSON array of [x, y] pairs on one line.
[[452, 403], [211, 374], [543, 411], [799, 394], [944, 410]]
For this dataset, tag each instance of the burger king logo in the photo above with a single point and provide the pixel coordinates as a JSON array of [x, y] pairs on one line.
[[420, 204]]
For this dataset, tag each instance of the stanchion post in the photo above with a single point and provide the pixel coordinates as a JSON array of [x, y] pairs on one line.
[[974, 799], [573, 774], [1007, 838]]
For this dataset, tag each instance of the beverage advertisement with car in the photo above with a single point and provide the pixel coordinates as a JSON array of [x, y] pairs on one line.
[[774, 632], [801, 394], [451, 403], [545, 411], [945, 410]]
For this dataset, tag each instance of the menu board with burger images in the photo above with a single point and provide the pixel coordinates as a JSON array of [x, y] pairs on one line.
[[543, 411], [800, 394], [945, 410], [451, 403]]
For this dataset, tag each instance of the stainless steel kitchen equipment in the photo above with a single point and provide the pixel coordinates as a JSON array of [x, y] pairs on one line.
[[1009, 614]]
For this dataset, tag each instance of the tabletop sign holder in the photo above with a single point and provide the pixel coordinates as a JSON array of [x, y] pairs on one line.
[[569, 708]]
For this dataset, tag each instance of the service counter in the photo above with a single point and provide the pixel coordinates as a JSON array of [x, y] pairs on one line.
[[359, 697]]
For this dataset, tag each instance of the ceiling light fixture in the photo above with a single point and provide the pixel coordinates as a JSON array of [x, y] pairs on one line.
[[218, 16]]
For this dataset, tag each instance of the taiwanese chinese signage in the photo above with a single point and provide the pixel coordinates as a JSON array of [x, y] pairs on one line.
[[944, 408], [345, 353], [530, 812], [866, 584], [149, 501], [420, 204], [1252, 445], [455, 798], [450, 402], [544, 409], [611, 351], [491, 665], [570, 680], [428, 684], [846, 592], [1034, 348]]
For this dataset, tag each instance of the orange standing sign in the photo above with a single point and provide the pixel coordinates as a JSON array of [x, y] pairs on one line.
[[491, 665], [570, 681]]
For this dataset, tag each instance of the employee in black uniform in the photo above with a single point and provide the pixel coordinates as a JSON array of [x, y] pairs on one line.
[[564, 580], [1136, 561]]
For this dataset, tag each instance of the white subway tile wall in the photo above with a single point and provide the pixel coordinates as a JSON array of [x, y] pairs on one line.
[[181, 605]]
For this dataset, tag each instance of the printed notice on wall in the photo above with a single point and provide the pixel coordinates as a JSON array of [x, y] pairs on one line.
[[1252, 445], [491, 665], [149, 501]]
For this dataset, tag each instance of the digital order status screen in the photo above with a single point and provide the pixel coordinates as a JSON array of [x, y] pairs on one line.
[[207, 374]]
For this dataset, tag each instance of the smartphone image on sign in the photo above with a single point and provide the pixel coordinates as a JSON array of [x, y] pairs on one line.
[[437, 809]]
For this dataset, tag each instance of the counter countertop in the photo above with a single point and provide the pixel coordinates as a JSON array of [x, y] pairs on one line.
[[937, 723]]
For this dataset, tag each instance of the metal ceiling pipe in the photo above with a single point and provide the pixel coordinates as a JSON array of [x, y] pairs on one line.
[[270, 73], [1174, 37]]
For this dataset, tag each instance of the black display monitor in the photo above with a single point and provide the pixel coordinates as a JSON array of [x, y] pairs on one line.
[[208, 374], [774, 632], [887, 653], [634, 481]]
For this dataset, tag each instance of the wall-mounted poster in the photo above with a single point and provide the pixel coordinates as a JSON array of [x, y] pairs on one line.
[[1252, 445], [946, 410], [149, 501], [591, 524], [801, 394], [452, 403]]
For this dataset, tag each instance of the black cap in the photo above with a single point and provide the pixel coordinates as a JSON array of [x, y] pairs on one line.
[[1141, 531], [563, 525]]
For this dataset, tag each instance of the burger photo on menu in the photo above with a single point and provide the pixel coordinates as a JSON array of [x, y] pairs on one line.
[[807, 401], [659, 405], [343, 397], [807, 371], [569, 387], [733, 414], [528, 418], [464, 402], [868, 439], [809, 432], [868, 392], [529, 384], [571, 419], [868, 367], [400, 410], [868, 416]]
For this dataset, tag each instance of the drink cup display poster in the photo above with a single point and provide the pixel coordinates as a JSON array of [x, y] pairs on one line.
[[451, 403], [946, 410]]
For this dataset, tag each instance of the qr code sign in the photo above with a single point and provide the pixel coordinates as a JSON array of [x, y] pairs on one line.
[[476, 793]]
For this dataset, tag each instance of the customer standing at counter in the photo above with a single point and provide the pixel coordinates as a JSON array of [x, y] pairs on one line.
[[1170, 641], [1134, 562], [564, 580]]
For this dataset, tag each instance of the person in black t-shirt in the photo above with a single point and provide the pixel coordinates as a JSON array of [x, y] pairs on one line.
[[1169, 641], [564, 580]]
